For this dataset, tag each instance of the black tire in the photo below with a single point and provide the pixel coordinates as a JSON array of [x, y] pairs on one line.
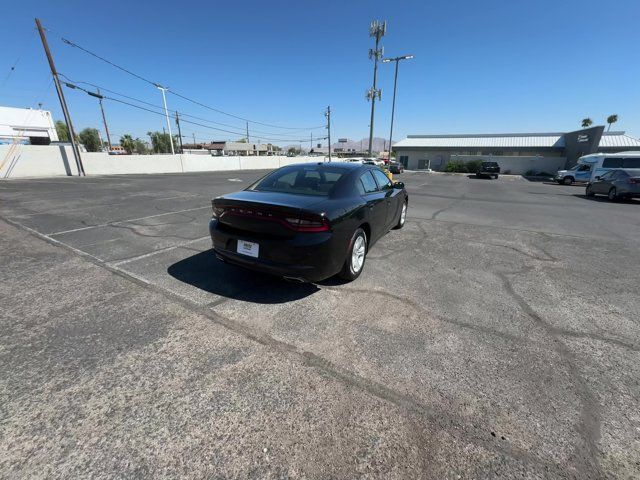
[[350, 271], [403, 216], [589, 191], [613, 194], [567, 181], [496, 176]]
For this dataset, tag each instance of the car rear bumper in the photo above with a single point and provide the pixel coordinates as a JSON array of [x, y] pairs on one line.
[[309, 257]]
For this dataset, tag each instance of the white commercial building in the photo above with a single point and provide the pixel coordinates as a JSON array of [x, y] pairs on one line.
[[27, 125], [515, 152]]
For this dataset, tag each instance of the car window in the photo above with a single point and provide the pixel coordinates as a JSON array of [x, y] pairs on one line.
[[383, 181], [607, 175], [368, 183], [583, 168], [612, 163], [301, 179], [631, 163]]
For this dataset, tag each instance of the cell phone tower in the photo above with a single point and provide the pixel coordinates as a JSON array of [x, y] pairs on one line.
[[377, 29]]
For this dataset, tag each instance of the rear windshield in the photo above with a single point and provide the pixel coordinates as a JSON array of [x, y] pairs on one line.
[[301, 180]]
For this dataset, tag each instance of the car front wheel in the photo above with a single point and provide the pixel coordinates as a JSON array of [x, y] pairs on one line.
[[403, 216], [567, 180], [589, 191], [356, 255], [613, 194]]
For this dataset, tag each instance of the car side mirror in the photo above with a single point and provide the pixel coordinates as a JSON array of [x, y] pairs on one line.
[[398, 185], [597, 177]]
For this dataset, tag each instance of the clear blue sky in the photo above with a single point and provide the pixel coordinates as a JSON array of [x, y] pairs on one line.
[[491, 66]]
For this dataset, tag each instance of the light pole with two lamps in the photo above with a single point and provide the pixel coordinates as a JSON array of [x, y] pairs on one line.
[[393, 104]]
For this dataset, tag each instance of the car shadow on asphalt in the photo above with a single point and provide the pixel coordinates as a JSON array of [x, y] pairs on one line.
[[604, 199], [473, 176], [205, 272]]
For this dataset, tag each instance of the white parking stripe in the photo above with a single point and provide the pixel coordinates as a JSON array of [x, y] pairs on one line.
[[155, 252], [125, 221]]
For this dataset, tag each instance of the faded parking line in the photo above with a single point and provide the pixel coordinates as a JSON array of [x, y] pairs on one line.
[[126, 221]]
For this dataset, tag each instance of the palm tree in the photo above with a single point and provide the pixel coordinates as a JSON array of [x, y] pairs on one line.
[[586, 122], [127, 142], [611, 119]]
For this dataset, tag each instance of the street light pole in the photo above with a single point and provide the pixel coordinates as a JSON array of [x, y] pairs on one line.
[[166, 114], [393, 103]]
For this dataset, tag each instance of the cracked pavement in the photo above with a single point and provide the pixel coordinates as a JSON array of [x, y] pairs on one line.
[[495, 336]]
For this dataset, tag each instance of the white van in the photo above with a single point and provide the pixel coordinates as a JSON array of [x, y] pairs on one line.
[[600, 163]]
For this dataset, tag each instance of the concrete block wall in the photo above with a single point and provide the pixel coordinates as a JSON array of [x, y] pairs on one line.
[[18, 161]]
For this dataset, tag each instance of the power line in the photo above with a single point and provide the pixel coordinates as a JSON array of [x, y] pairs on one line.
[[242, 118], [75, 45], [241, 134], [100, 87], [156, 84]]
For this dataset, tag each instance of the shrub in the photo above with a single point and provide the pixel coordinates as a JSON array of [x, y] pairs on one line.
[[456, 166], [473, 166]]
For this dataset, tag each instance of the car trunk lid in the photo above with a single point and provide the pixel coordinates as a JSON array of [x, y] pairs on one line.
[[269, 214]]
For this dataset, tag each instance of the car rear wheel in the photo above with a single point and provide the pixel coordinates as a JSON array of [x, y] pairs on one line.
[[613, 194], [356, 255], [567, 180], [496, 176], [403, 216]]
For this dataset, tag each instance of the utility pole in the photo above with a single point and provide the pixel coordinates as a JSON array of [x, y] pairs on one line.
[[311, 143], [166, 114], [194, 140], [395, 84], [104, 120], [328, 115], [179, 132], [247, 132], [63, 102], [377, 30]]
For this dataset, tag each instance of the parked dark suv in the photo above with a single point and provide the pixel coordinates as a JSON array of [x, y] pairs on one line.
[[488, 169]]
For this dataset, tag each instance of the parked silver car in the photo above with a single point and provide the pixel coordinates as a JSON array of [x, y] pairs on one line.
[[615, 184]]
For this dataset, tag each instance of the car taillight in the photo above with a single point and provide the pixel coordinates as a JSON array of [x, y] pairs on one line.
[[216, 210], [308, 224]]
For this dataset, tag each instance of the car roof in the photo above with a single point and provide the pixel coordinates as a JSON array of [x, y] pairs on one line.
[[340, 165]]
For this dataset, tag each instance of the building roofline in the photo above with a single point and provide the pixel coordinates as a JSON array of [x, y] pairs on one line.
[[498, 135]]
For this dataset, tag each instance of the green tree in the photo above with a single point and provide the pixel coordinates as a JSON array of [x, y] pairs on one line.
[[90, 138], [160, 142], [611, 119], [586, 122], [63, 131], [127, 142], [140, 147]]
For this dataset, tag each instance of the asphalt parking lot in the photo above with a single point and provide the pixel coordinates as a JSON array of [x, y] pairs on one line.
[[495, 336]]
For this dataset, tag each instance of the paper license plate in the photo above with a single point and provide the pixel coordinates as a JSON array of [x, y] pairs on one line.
[[248, 248]]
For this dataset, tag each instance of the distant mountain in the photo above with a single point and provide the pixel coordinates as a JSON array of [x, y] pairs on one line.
[[379, 145]]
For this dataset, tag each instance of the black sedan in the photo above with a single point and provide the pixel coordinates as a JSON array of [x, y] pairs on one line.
[[308, 222]]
